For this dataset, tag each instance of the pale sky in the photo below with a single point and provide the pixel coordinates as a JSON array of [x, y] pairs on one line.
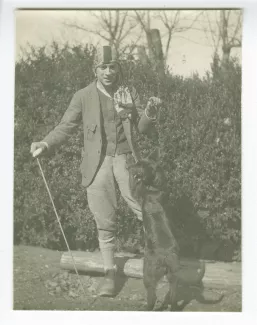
[[190, 51]]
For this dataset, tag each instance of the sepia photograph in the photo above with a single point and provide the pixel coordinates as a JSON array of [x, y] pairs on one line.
[[127, 160]]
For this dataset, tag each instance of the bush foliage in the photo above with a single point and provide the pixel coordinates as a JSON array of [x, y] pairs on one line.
[[198, 131]]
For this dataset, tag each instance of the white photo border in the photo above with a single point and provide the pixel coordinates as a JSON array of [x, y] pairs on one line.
[[249, 171]]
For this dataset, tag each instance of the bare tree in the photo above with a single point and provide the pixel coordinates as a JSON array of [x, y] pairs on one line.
[[144, 20], [154, 43], [225, 32], [230, 35], [113, 26], [174, 23]]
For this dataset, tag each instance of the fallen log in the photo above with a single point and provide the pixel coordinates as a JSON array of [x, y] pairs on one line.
[[217, 274]]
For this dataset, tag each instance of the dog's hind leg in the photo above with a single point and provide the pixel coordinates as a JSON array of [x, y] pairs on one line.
[[173, 282], [172, 267], [150, 286], [173, 296], [152, 274], [151, 297]]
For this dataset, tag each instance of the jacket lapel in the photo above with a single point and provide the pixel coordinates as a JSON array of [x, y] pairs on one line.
[[93, 104]]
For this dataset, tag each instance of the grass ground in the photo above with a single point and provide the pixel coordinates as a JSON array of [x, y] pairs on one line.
[[39, 284]]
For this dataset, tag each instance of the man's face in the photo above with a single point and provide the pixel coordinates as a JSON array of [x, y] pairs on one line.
[[107, 74]]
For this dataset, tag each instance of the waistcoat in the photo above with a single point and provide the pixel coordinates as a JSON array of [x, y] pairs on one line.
[[113, 136]]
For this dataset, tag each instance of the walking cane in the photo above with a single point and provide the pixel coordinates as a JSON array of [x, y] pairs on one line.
[[35, 154]]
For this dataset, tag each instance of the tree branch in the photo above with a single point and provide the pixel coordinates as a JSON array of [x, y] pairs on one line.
[[117, 24], [215, 43], [122, 24], [107, 24], [140, 20], [87, 30], [110, 18], [238, 26], [188, 39]]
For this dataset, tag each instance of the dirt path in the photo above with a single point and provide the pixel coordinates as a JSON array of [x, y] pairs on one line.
[[39, 284]]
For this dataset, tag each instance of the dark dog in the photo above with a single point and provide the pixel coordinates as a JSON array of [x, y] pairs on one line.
[[161, 257], [147, 183]]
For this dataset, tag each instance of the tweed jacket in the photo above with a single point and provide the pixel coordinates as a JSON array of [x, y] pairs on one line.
[[85, 107]]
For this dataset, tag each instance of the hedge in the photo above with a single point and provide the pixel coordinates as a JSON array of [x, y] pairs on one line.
[[198, 132]]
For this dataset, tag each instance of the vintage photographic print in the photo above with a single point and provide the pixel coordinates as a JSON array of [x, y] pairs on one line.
[[127, 160]]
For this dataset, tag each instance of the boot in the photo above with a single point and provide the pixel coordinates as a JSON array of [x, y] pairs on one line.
[[107, 287]]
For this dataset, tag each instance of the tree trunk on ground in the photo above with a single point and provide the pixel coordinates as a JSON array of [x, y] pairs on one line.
[[217, 274]]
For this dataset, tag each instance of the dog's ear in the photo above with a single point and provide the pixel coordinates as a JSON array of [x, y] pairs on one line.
[[155, 155]]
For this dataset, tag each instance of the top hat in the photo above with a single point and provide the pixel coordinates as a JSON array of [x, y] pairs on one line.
[[104, 55]]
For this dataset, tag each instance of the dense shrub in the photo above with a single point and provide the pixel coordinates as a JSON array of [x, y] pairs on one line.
[[198, 131], [200, 140]]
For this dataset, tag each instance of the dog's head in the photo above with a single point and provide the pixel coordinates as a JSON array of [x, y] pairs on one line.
[[147, 172]]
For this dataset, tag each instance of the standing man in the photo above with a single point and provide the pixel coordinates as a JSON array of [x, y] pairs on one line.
[[108, 110]]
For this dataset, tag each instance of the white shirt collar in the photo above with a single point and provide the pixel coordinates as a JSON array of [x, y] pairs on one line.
[[102, 89]]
